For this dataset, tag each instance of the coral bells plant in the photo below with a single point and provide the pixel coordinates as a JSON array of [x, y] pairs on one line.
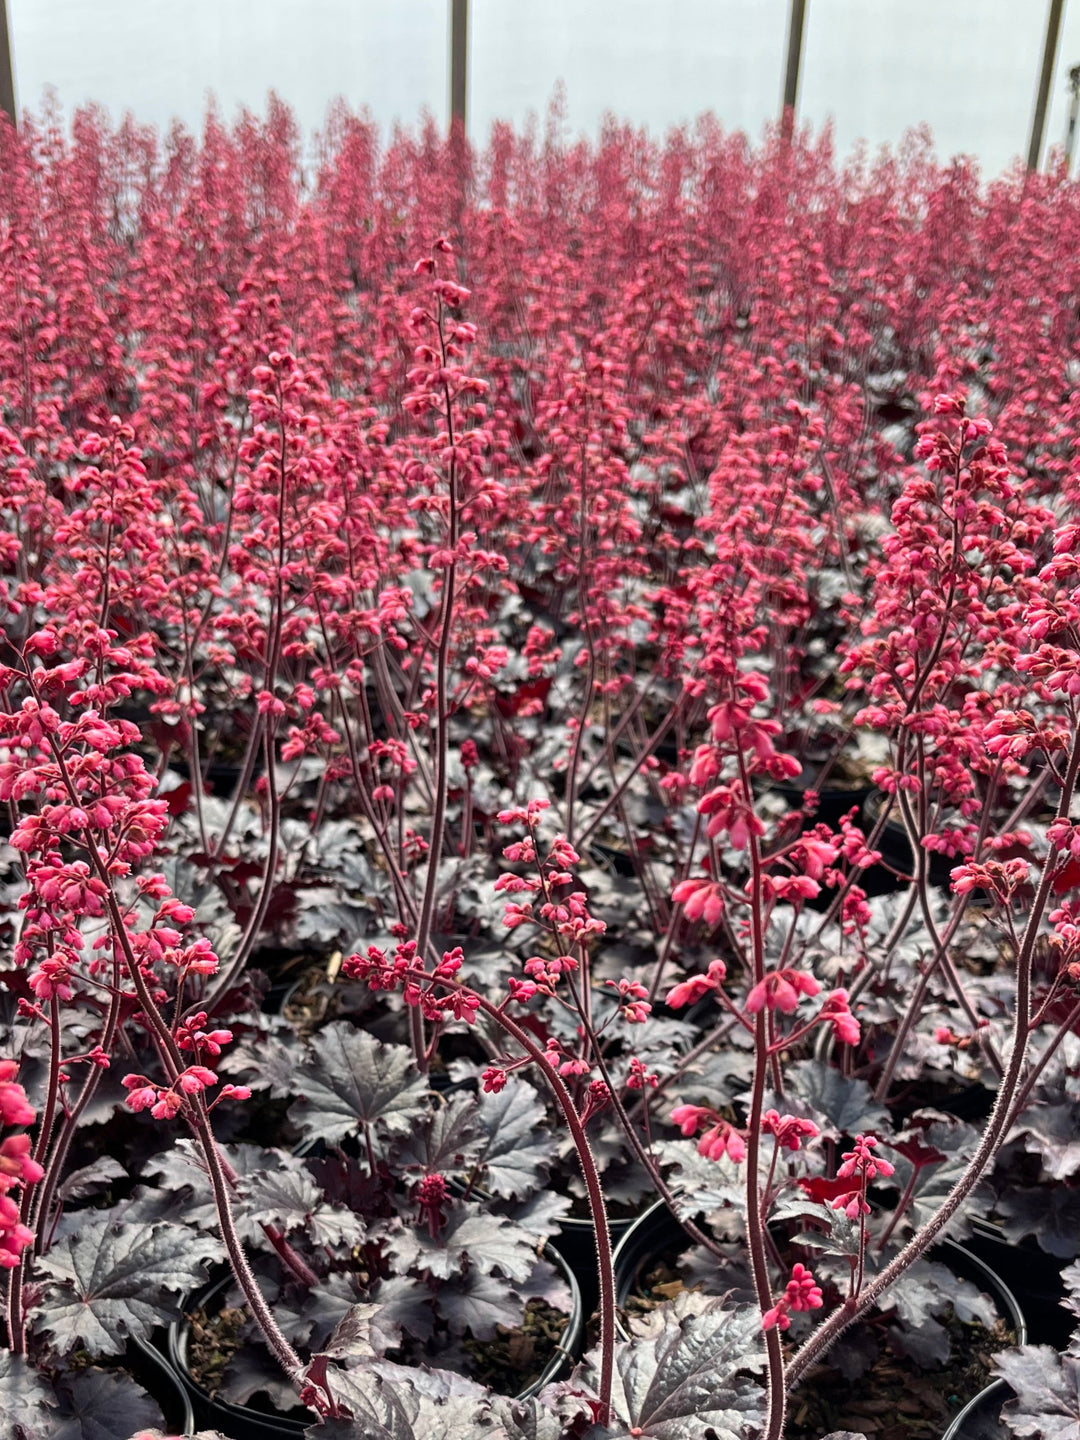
[[533, 681]]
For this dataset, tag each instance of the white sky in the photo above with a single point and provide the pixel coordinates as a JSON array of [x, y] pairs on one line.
[[966, 67]]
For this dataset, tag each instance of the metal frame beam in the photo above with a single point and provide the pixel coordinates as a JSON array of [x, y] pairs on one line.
[[7, 68], [796, 25], [1046, 75], [459, 63]]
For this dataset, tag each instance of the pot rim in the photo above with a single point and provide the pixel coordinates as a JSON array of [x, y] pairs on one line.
[[565, 1352], [161, 1365], [1007, 1303], [975, 1405]]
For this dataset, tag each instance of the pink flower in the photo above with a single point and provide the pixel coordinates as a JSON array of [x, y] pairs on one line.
[[729, 811], [837, 1013], [690, 1118], [777, 1316], [795, 888], [141, 1097], [460, 1005], [801, 1293], [574, 1066], [16, 1162], [15, 1109], [12, 1243], [790, 1130], [852, 1204], [168, 1104], [687, 992], [196, 1078], [720, 1139], [780, 990], [633, 1000], [861, 1161], [640, 1075], [52, 978], [814, 855], [521, 990]]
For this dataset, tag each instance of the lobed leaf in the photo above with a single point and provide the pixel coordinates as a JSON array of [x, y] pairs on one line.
[[686, 1381], [110, 1282], [350, 1079], [98, 1404], [517, 1148], [481, 1241], [27, 1402], [1047, 1386], [394, 1403]]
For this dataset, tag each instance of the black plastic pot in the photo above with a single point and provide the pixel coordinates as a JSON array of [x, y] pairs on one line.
[[578, 1247], [241, 1422], [1032, 1275], [833, 802], [980, 1419], [152, 1370], [221, 777], [621, 862], [245, 1422], [658, 1230], [896, 850]]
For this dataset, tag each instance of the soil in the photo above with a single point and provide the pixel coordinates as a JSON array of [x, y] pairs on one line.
[[514, 1359], [213, 1341], [894, 1399], [658, 1284], [509, 1362]]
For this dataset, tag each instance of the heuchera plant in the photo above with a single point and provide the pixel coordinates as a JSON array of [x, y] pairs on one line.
[[614, 611]]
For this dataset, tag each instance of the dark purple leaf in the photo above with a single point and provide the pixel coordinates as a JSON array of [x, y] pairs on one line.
[[91, 1179], [839, 1106], [487, 1242], [112, 1281], [913, 1148], [541, 1214], [352, 1335], [528, 1420], [448, 1142], [517, 1149], [266, 1063], [1070, 1278], [928, 1288], [927, 1344], [1053, 1133], [477, 1304], [1049, 1212], [685, 1381], [289, 1198], [26, 1401], [254, 1371], [394, 1403], [405, 1303], [1047, 1386], [351, 1079], [308, 1317], [98, 1404]]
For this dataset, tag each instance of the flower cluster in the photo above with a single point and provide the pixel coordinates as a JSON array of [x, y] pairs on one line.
[[861, 1165], [18, 1168], [719, 1137], [800, 1293]]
